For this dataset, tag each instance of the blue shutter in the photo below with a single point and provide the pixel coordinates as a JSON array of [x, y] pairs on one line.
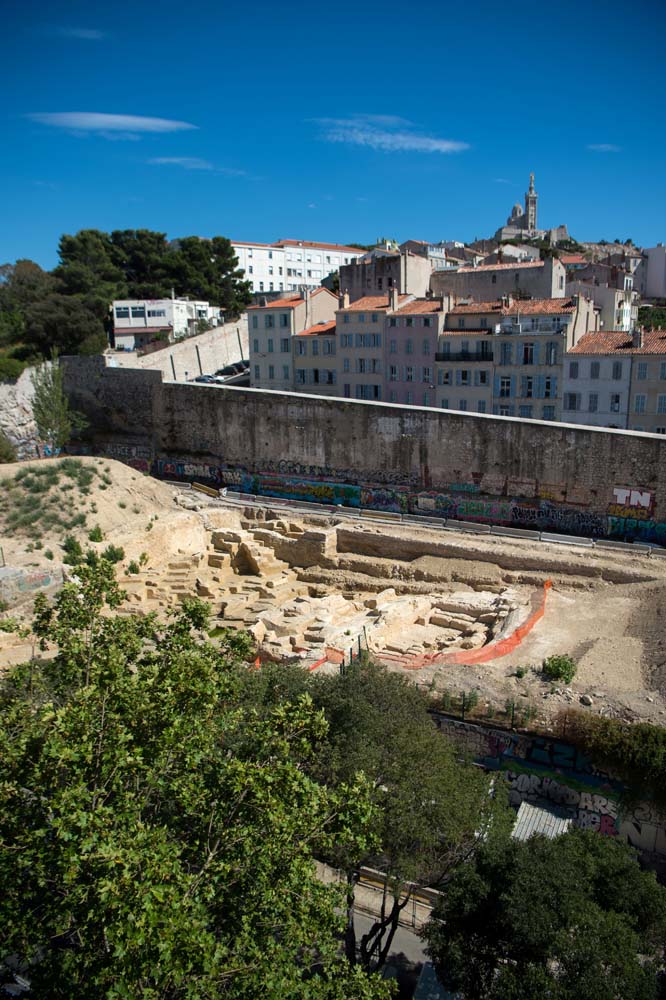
[[554, 386], [496, 389], [523, 385], [458, 377], [513, 385], [476, 378], [536, 353]]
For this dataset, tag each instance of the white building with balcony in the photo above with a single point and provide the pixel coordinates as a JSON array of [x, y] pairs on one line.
[[137, 322]]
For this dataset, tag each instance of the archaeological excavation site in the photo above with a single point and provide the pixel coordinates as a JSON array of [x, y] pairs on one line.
[[457, 612]]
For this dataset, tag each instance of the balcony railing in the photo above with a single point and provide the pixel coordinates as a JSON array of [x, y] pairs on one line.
[[464, 356]]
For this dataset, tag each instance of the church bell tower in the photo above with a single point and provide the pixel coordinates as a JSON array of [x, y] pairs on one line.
[[531, 206]]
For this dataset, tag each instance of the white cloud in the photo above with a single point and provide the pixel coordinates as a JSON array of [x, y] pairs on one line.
[[603, 147], [194, 163], [502, 180], [187, 162], [108, 126], [85, 34], [386, 133]]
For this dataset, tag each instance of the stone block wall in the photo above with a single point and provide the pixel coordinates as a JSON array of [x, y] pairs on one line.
[[499, 470]]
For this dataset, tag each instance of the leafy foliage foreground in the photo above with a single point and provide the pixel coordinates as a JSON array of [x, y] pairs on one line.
[[156, 832]]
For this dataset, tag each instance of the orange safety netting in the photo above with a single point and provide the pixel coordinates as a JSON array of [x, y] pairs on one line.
[[483, 655]]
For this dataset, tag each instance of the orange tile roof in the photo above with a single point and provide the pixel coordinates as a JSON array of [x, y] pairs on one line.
[[502, 267], [375, 302], [290, 303], [524, 307], [619, 341], [421, 306], [318, 328], [308, 244], [573, 258], [294, 300]]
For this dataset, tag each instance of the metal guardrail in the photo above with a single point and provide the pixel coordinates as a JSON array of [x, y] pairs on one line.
[[448, 524]]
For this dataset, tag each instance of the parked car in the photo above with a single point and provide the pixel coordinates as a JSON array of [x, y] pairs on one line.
[[205, 378], [237, 368]]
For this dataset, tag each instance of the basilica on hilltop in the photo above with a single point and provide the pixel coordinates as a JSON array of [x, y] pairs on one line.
[[522, 223]]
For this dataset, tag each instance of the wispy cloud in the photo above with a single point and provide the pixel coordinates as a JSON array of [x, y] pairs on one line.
[[501, 180], [386, 133], [603, 147], [84, 34], [194, 163], [108, 126], [187, 162]]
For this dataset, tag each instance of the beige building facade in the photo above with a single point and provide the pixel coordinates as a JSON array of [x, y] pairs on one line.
[[539, 279], [271, 328], [315, 359], [378, 272]]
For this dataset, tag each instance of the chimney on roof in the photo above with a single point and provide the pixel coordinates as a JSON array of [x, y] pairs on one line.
[[638, 337], [343, 299], [308, 309], [263, 301], [393, 298]]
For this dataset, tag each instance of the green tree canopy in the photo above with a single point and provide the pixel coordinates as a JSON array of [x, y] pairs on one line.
[[156, 833], [64, 323], [138, 263], [573, 918], [432, 810]]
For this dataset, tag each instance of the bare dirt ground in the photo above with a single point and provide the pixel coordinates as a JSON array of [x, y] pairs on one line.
[[283, 573]]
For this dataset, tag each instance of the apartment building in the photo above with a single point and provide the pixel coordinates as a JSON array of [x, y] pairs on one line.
[[137, 322], [616, 380], [271, 327], [361, 327], [525, 279], [315, 359], [612, 289], [506, 357], [596, 381], [379, 271], [412, 331], [289, 265], [651, 272]]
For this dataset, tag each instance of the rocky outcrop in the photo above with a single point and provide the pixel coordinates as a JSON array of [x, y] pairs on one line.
[[16, 417]]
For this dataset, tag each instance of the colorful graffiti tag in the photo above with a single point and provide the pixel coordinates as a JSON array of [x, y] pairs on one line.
[[539, 769], [525, 504]]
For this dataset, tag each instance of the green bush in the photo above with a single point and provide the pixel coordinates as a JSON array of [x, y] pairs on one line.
[[7, 450], [10, 369], [96, 534], [133, 567], [113, 553], [559, 668], [48, 553], [73, 550]]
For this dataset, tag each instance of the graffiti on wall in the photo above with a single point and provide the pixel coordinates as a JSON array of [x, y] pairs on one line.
[[631, 504], [16, 584], [525, 504], [540, 769]]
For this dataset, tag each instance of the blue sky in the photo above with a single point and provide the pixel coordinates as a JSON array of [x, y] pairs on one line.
[[337, 122]]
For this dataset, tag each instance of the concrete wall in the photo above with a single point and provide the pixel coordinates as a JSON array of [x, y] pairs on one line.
[[520, 473], [546, 771], [216, 348]]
